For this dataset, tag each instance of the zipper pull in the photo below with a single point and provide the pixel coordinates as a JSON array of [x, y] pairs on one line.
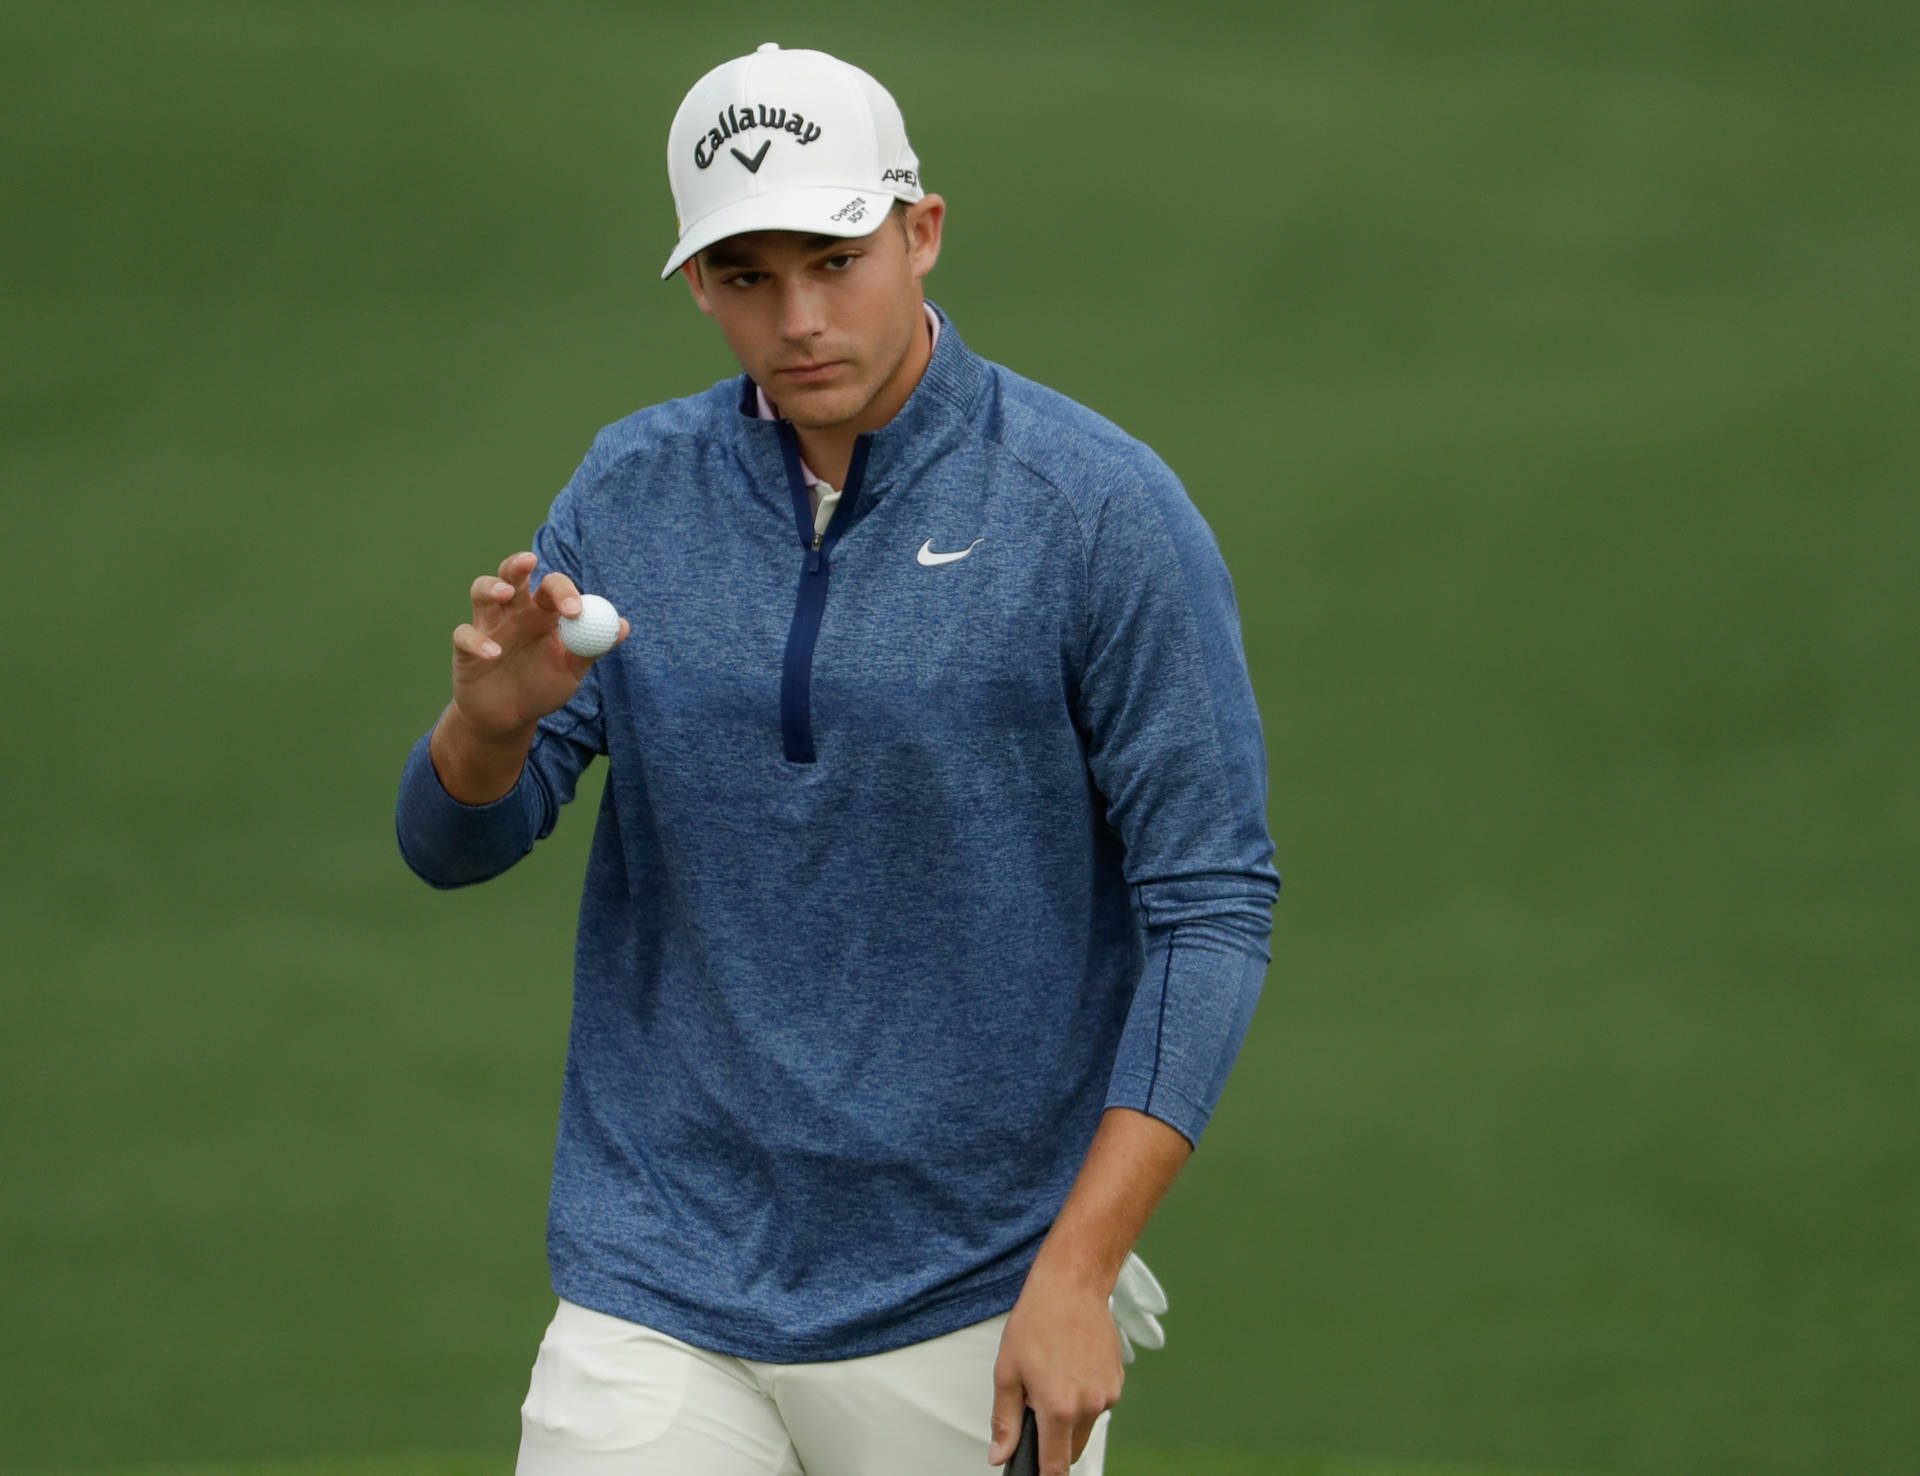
[[814, 555]]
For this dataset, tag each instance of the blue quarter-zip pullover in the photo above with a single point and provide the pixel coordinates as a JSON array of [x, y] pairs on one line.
[[906, 867]]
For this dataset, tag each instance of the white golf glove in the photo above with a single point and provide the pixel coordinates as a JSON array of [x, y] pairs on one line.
[[1137, 1303]]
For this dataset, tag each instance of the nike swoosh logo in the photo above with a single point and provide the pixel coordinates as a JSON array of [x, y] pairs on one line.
[[928, 557], [753, 164]]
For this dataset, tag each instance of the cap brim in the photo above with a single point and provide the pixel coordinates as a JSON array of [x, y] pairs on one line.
[[829, 211]]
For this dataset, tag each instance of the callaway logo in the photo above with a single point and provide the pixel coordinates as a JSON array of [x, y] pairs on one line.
[[738, 120], [928, 557]]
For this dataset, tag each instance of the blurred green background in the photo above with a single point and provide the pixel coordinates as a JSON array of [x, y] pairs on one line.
[[1548, 375]]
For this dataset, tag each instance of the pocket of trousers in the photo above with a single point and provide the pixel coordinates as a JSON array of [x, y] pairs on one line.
[[600, 1383]]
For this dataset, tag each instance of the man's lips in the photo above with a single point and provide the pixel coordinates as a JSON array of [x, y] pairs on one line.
[[810, 373]]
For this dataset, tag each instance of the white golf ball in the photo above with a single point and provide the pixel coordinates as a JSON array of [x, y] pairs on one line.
[[594, 630]]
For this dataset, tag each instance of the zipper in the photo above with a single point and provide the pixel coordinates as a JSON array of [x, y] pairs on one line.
[[810, 601]]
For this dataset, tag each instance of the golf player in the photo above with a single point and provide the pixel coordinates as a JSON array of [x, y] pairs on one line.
[[930, 893]]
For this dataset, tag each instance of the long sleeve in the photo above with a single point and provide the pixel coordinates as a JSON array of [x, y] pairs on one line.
[[450, 844], [1037, 794], [1175, 747]]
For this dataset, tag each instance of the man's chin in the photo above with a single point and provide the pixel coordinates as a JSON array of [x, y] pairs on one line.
[[821, 409]]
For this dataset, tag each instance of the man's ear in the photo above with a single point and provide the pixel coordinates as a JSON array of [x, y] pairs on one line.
[[695, 283], [922, 224]]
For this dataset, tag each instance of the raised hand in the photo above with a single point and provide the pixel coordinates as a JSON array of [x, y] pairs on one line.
[[509, 671], [509, 667]]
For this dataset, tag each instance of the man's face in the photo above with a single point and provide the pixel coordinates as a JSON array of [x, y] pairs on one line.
[[824, 324]]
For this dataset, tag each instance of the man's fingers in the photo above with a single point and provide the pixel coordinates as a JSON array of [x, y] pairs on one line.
[[557, 593], [1065, 1430], [1056, 1443], [1009, 1406], [488, 592], [515, 568], [469, 641], [1082, 1433]]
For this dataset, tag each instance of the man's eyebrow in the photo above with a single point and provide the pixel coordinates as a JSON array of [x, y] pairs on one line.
[[718, 255]]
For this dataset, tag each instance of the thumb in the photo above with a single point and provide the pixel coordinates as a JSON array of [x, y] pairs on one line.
[[1009, 1406]]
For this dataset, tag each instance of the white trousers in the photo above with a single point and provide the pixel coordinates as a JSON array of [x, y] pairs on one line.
[[613, 1398]]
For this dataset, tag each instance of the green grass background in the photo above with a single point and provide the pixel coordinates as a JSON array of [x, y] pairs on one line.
[[1548, 375]]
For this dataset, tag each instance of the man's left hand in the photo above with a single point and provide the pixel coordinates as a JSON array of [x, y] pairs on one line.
[[1059, 1353]]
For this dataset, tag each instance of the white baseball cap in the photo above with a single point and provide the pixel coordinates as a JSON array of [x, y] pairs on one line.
[[786, 141]]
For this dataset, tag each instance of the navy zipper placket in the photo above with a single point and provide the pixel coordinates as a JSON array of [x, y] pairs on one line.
[[796, 670]]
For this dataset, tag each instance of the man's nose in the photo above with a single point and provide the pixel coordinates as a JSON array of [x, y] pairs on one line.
[[800, 317]]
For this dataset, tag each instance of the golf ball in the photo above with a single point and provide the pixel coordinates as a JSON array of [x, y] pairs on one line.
[[594, 631]]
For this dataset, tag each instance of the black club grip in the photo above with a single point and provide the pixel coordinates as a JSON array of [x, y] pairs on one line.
[[1026, 1455]]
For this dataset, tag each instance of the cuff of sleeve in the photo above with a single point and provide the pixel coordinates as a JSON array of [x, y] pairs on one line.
[[450, 844], [1157, 1099]]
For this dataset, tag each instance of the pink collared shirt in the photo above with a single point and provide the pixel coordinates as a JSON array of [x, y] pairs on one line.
[[825, 498]]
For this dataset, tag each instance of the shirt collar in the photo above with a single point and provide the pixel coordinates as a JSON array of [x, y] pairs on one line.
[[767, 410]]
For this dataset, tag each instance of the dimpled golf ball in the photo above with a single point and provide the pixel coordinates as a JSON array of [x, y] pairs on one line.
[[594, 630]]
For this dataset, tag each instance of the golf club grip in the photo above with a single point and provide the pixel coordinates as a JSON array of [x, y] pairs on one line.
[[1026, 1455]]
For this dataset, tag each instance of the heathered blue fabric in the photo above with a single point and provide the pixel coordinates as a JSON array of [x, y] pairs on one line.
[[843, 1030]]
